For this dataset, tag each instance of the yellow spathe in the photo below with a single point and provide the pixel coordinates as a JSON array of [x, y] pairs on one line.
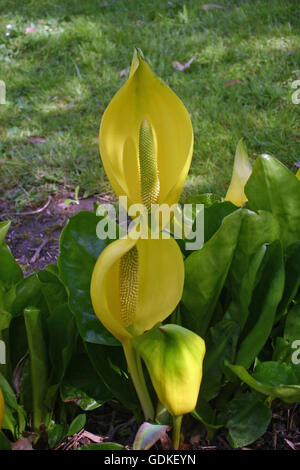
[[240, 175], [145, 98], [174, 359], [136, 284]]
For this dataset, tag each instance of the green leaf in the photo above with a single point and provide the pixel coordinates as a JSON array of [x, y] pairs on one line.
[[56, 433], [292, 278], [249, 419], [4, 442], [52, 288], [206, 414], [83, 386], [77, 424], [148, 434], [10, 271], [265, 300], [14, 415], [257, 229], [214, 215], [62, 335], [272, 379], [274, 188], [205, 274], [39, 365], [79, 251], [110, 365], [4, 228], [28, 293], [220, 346], [292, 324], [104, 446]]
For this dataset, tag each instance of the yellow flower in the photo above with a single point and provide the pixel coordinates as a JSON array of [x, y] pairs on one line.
[[1, 409], [146, 139], [174, 358], [240, 175], [136, 284], [298, 174]]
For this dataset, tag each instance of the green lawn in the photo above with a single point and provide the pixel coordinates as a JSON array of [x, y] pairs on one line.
[[61, 77]]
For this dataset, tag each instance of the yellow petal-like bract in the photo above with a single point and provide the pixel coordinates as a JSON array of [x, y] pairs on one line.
[[298, 174], [174, 358], [146, 139], [136, 284], [240, 175], [1, 409]]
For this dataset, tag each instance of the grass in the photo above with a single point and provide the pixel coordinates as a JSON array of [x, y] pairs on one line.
[[60, 78]]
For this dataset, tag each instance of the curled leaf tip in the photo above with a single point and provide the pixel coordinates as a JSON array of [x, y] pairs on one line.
[[240, 175]]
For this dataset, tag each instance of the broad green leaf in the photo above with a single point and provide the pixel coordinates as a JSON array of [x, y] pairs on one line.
[[239, 307], [249, 419], [265, 300], [38, 365], [148, 434], [272, 379], [52, 288], [256, 230], [110, 365], [104, 446], [292, 277], [77, 424], [221, 345], [62, 335], [10, 271], [83, 386], [292, 324], [28, 293], [206, 271], [274, 188], [213, 216], [79, 251]]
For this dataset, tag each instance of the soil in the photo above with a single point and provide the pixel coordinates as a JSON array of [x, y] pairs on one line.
[[34, 234], [34, 241]]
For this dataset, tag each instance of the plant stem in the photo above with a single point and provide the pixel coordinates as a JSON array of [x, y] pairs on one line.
[[176, 431], [136, 372]]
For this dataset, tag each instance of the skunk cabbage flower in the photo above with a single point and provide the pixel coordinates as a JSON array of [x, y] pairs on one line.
[[1, 409], [174, 357], [146, 139], [136, 284], [240, 175]]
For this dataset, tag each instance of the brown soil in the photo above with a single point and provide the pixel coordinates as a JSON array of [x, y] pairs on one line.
[[34, 235]]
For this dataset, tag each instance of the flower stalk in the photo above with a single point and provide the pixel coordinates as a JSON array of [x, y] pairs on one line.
[[138, 379]]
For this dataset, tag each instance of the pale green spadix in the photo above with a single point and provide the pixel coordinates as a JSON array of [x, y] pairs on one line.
[[148, 169]]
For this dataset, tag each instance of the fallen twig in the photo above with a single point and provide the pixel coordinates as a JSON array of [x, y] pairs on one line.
[[37, 211], [38, 250]]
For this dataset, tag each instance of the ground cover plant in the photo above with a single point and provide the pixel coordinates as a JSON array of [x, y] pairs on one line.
[[206, 338]]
